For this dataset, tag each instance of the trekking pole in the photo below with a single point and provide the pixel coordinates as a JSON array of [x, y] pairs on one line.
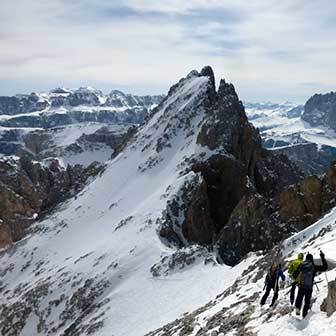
[[325, 272], [316, 286]]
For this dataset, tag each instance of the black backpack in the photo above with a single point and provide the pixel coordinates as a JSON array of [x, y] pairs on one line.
[[306, 275], [271, 275]]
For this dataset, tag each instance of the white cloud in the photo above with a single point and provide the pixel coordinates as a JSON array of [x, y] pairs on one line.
[[266, 48]]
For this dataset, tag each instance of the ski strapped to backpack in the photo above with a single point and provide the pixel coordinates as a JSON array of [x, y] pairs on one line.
[[277, 262], [325, 272], [273, 273]]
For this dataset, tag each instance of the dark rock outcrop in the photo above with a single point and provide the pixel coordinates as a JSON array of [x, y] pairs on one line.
[[309, 157], [250, 227], [295, 112], [302, 204], [22, 104], [108, 137], [329, 303], [28, 189], [37, 141]]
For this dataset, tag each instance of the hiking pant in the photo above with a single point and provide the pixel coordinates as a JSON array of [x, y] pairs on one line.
[[268, 290], [292, 293], [305, 293]]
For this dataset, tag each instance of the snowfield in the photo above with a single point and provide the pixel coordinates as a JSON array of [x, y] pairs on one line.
[[63, 136]]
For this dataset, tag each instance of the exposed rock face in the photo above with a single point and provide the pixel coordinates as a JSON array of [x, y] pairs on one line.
[[188, 215], [251, 227], [226, 184], [304, 203], [44, 125], [295, 112], [27, 189], [329, 303], [37, 141], [111, 138], [262, 219], [273, 173], [309, 158], [320, 110], [21, 104]]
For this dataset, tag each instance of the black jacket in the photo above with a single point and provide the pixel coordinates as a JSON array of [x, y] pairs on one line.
[[307, 271]]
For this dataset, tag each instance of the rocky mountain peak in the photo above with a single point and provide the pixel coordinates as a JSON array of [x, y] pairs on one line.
[[234, 174], [226, 90], [320, 110], [60, 91], [207, 71]]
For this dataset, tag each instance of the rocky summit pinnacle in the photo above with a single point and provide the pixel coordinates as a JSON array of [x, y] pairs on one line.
[[320, 110], [226, 89], [207, 71]]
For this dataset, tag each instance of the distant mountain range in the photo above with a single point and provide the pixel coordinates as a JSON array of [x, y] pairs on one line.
[[305, 133], [77, 126], [63, 106]]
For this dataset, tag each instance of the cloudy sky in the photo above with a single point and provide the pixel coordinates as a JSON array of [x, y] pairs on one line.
[[269, 49]]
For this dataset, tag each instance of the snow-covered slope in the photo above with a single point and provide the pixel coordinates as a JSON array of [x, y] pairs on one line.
[[237, 311], [90, 268]]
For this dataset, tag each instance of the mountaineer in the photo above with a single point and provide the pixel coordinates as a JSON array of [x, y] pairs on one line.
[[272, 282], [305, 275], [293, 266]]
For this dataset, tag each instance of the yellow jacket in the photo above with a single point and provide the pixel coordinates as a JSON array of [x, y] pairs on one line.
[[293, 266]]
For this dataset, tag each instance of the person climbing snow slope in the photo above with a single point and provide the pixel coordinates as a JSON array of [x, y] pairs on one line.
[[293, 266], [272, 282], [305, 274]]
